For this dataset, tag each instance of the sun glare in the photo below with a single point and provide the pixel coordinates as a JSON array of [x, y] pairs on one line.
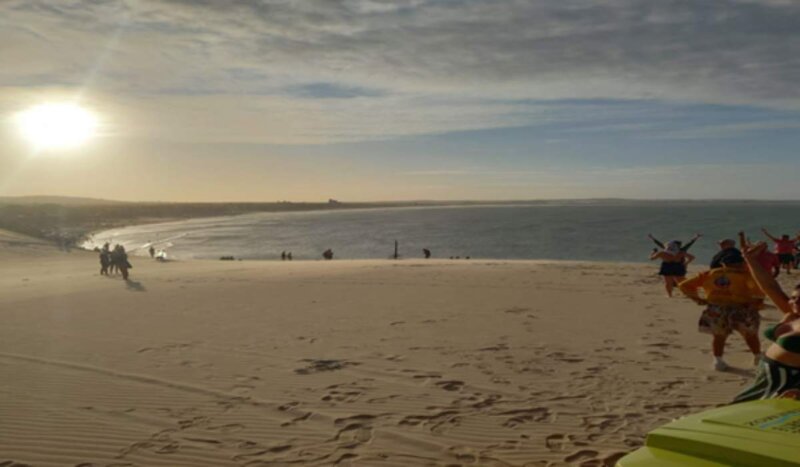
[[57, 125]]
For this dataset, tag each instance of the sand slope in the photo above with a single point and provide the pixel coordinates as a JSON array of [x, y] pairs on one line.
[[369, 363]]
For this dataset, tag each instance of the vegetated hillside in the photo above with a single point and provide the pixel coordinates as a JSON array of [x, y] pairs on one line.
[[68, 224], [61, 200]]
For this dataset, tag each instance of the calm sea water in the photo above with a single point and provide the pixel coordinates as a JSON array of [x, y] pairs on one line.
[[594, 231]]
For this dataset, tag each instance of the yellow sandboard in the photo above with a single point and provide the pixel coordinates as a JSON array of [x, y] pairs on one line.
[[753, 434]]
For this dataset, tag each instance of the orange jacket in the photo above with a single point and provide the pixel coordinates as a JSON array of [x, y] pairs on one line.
[[725, 286]]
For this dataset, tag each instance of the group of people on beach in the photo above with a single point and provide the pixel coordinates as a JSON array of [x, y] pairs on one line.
[[114, 260], [734, 289]]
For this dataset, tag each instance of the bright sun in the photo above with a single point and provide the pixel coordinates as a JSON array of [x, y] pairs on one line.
[[57, 125]]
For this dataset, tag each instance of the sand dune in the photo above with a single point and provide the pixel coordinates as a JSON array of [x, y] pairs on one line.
[[370, 363]]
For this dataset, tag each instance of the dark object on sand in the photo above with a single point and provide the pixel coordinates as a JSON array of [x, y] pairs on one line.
[[426, 252], [327, 254], [226, 258], [119, 259]]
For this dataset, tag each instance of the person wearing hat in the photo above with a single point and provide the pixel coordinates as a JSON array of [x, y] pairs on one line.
[[727, 246], [732, 301]]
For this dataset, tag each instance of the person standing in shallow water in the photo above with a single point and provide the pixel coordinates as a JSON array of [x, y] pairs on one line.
[[673, 264]]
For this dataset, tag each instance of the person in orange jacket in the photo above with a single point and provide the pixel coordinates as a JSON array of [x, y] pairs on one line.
[[732, 301]]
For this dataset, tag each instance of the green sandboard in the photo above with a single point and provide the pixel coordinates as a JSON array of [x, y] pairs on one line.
[[752, 434]]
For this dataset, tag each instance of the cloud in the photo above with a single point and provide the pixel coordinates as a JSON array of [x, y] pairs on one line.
[[456, 64]]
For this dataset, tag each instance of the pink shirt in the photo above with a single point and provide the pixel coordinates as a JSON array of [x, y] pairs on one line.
[[783, 247]]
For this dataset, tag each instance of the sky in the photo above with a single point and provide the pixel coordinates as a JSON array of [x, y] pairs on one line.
[[369, 100]]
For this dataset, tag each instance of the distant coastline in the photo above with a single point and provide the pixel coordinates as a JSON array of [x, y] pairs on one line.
[[67, 221]]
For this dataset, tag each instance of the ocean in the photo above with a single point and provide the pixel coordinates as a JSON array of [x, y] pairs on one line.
[[585, 231]]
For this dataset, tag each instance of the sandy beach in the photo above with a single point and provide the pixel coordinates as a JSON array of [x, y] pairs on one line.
[[368, 363]]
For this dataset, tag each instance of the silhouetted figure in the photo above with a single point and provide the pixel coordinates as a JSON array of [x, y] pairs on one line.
[[105, 260], [289, 256], [283, 255], [396, 253], [152, 251], [119, 258], [426, 252], [327, 254]]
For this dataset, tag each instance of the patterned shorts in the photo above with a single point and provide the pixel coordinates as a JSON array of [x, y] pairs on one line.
[[722, 321]]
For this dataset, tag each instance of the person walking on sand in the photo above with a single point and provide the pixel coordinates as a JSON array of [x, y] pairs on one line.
[[152, 251], [119, 257], [778, 373], [784, 247], [732, 303], [673, 264], [105, 260]]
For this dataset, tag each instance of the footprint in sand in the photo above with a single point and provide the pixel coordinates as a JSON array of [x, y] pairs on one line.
[[318, 366], [242, 389], [342, 396], [263, 452], [452, 385], [582, 455], [427, 376], [297, 420], [522, 416], [463, 454], [354, 434], [288, 406], [557, 441], [436, 423]]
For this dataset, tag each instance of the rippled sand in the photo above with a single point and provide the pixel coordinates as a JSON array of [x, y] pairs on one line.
[[366, 363]]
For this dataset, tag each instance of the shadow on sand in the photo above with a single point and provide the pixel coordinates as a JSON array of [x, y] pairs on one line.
[[135, 286]]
